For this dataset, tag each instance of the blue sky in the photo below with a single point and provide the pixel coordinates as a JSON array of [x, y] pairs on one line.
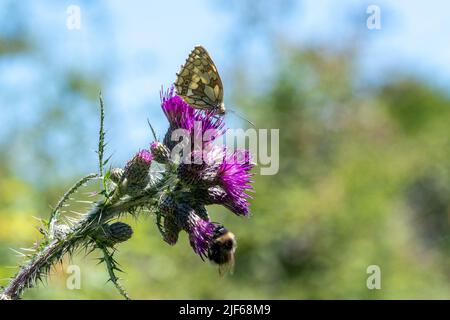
[[139, 45]]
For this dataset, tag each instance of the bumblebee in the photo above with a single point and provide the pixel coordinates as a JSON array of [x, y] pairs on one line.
[[221, 251]]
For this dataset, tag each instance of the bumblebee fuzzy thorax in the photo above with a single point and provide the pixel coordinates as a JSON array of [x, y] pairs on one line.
[[221, 250]]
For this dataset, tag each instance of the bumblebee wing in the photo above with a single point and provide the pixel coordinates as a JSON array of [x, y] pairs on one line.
[[227, 267]]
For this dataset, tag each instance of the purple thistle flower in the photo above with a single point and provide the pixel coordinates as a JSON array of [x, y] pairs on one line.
[[140, 162], [201, 168], [225, 177], [211, 175], [145, 157], [212, 126], [201, 233], [180, 215], [177, 111], [201, 125], [233, 176]]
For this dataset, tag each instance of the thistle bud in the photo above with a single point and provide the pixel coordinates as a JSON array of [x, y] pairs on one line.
[[167, 205], [120, 232], [180, 215], [135, 175], [171, 230], [111, 234], [160, 152], [116, 175]]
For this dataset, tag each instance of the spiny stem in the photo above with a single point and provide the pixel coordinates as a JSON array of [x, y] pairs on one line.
[[101, 140], [55, 213], [52, 252], [111, 265]]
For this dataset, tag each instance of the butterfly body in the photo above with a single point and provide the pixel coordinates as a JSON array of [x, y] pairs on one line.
[[199, 83]]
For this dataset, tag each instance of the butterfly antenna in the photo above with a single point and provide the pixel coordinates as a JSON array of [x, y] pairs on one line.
[[242, 117], [153, 130]]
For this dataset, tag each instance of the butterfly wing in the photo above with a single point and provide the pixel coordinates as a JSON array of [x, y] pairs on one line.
[[198, 81]]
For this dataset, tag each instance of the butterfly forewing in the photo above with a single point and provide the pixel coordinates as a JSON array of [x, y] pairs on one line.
[[199, 83]]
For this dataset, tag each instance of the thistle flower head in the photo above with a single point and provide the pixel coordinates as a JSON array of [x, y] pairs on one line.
[[200, 168], [136, 171], [116, 175], [211, 175], [222, 177], [160, 152], [120, 232], [211, 126], [171, 230], [177, 111], [181, 215], [197, 175], [172, 227], [142, 158], [112, 234], [201, 125], [233, 175], [201, 233]]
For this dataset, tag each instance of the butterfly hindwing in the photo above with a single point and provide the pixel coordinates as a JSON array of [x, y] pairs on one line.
[[199, 83]]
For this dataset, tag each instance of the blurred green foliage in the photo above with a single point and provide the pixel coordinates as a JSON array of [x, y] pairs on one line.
[[364, 180]]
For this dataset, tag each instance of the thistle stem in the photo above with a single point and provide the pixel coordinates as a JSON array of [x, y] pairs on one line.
[[55, 213], [111, 266], [51, 253]]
